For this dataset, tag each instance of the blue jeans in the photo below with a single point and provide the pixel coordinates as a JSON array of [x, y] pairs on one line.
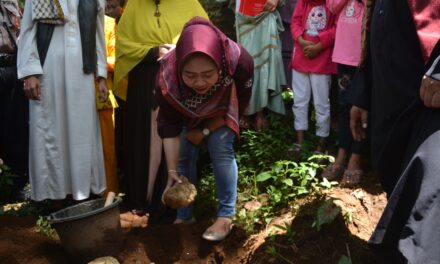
[[221, 151]]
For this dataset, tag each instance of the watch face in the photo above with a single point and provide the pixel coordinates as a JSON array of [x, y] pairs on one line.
[[205, 132]]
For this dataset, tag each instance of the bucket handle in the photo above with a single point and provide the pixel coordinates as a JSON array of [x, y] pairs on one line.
[[109, 199]]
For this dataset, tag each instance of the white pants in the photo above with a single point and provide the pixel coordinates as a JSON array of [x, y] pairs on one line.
[[305, 84]]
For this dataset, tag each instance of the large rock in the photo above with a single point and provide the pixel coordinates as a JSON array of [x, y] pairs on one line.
[[180, 194]]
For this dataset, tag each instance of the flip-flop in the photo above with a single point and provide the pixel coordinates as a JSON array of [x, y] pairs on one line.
[[352, 178], [333, 171]]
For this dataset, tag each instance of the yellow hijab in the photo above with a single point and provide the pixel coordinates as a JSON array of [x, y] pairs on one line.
[[138, 32]]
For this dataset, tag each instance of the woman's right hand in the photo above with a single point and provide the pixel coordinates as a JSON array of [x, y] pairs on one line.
[[31, 88], [173, 177]]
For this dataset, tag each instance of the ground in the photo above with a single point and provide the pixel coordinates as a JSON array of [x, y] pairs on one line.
[[163, 243]]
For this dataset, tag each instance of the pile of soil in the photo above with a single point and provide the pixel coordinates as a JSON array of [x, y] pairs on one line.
[[164, 243], [345, 236]]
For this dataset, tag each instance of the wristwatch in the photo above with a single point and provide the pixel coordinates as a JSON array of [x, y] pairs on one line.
[[206, 132]]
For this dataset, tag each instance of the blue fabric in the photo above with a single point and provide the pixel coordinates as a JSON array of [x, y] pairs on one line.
[[221, 151]]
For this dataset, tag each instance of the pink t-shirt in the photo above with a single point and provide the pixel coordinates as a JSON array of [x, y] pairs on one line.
[[314, 22], [347, 49]]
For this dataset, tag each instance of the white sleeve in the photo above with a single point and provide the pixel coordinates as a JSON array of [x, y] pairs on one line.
[[431, 69], [101, 67], [28, 60]]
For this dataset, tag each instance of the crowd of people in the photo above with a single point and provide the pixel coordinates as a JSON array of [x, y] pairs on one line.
[[119, 96]]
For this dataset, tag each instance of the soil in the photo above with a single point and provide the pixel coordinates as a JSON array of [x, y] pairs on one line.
[[164, 243]]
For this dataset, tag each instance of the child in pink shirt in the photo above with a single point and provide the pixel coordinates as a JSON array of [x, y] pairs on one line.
[[346, 53], [313, 30]]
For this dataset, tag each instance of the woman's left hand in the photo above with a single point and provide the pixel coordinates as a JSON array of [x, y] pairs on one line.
[[271, 5], [102, 90], [430, 92], [164, 49]]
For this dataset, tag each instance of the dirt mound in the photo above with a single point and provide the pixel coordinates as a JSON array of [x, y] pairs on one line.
[[347, 235]]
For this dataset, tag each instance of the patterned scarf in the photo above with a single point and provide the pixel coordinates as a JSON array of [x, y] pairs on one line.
[[199, 35], [425, 14], [47, 11]]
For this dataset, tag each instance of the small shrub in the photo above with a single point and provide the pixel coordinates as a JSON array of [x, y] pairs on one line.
[[289, 232], [6, 182], [44, 228], [326, 213], [344, 260]]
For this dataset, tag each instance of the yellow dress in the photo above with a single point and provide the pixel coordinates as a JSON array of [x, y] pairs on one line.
[[106, 111]]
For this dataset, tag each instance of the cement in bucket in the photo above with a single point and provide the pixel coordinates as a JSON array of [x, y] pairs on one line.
[[89, 230]]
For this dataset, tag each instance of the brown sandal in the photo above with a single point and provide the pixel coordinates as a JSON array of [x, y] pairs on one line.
[[352, 178], [333, 171]]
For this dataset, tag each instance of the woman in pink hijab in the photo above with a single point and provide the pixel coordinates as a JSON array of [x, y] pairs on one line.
[[204, 85]]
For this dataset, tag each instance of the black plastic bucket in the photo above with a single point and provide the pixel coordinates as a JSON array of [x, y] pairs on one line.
[[89, 230]]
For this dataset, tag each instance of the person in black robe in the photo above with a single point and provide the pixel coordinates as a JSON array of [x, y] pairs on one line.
[[403, 130], [14, 114]]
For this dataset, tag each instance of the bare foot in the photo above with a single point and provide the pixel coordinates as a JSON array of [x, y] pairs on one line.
[[260, 121], [244, 122]]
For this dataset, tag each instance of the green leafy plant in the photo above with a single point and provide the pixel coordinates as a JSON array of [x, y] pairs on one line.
[[288, 179], [326, 213], [43, 227], [248, 220], [328, 184], [344, 260], [206, 200], [348, 217], [272, 250], [267, 174], [6, 181], [287, 95], [28, 207], [282, 184], [289, 232]]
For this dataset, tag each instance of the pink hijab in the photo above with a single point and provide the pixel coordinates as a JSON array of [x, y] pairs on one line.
[[201, 36]]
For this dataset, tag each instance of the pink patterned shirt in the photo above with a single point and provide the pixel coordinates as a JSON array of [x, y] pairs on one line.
[[347, 49], [314, 22]]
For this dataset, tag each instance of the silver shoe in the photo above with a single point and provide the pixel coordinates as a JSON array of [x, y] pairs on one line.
[[212, 236]]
